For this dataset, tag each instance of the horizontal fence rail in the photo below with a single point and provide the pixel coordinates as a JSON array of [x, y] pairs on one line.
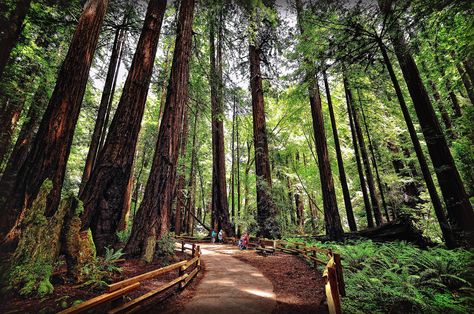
[[119, 289], [333, 272]]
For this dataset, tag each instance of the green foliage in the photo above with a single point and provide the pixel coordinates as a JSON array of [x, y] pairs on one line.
[[165, 246], [401, 278], [97, 272]]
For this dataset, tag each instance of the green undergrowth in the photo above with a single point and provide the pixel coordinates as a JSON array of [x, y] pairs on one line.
[[401, 278]]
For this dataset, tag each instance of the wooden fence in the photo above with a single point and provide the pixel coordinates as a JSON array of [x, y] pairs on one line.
[[333, 273], [124, 287]]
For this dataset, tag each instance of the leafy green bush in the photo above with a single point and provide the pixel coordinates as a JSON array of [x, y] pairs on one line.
[[165, 246], [401, 278]]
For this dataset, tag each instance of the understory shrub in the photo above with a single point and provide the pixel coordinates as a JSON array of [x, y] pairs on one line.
[[401, 278]]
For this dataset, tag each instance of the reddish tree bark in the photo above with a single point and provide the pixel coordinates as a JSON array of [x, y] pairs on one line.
[[180, 191], [219, 190], [460, 213], [299, 212], [368, 171], [191, 204], [151, 221], [104, 195], [363, 187], [448, 234], [340, 162], [107, 94], [266, 210], [50, 150], [331, 213], [10, 30]]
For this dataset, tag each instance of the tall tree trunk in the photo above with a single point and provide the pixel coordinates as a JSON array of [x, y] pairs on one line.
[[340, 162], [152, 218], [232, 181], [468, 83], [374, 160], [266, 210], [368, 171], [28, 130], [299, 212], [363, 186], [49, 153], [331, 213], [448, 233], [104, 193], [10, 29], [180, 191], [219, 191], [460, 213], [239, 203], [107, 94], [191, 204], [8, 121]]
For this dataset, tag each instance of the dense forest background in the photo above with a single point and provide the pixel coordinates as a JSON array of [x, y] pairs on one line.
[[298, 118]]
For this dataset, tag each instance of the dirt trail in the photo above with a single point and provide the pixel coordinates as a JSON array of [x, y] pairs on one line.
[[230, 285]]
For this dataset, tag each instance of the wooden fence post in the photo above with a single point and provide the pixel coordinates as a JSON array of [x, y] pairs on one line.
[[340, 276], [335, 307], [194, 249], [182, 246]]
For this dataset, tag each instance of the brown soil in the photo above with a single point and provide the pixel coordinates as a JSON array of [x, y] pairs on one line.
[[299, 288], [65, 293]]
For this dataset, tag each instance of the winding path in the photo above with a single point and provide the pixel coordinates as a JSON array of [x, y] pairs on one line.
[[230, 286]]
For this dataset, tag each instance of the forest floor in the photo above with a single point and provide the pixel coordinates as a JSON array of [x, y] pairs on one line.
[[232, 281]]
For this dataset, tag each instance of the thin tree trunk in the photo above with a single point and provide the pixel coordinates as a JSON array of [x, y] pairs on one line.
[[368, 171], [107, 94], [104, 193], [232, 183], [10, 30], [374, 160], [363, 187], [180, 191], [219, 191], [28, 130], [466, 82], [340, 162], [239, 203], [331, 213], [151, 222], [448, 233], [191, 204], [299, 212], [50, 151], [460, 213]]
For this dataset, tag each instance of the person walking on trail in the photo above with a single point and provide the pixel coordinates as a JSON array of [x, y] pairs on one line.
[[213, 236], [221, 236]]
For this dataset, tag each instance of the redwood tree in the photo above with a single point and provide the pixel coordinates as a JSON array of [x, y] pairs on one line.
[[266, 210], [448, 234], [151, 221], [340, 163], [460, 212], [367, 206], [104, 195], [219, 190], [107, 94], [10, 29], [331, 213], [49, 153]]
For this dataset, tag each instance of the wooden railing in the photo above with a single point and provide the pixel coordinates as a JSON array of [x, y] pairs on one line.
[[124, 287], [333, 272]]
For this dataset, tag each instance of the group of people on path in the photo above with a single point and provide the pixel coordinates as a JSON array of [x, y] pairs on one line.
[[242, 244]]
